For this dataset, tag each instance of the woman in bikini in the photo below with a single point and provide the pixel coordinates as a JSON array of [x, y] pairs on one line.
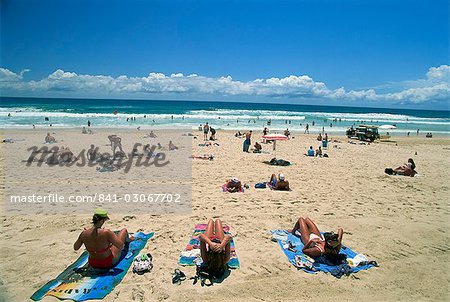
[[215, 248], [407, 169], [103, 245], [316, 244]]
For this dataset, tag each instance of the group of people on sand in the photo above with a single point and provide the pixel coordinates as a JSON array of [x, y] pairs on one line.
[[105, 247], [318, 152], [276, 182], [86, 131], [206, 130], [322, 138]]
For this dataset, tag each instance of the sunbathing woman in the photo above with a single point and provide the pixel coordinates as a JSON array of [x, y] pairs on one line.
[[233, 185], [315, 244], [103, 245], [407, 170], [279, 183], [215, 248]]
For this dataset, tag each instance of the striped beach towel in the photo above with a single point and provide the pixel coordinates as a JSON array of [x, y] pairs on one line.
[[188, 258]]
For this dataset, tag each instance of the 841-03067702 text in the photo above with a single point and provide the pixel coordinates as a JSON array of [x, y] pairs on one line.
[[97, 197]]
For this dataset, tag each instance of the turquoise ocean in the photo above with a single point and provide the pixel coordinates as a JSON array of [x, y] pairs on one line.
[[148, 114]]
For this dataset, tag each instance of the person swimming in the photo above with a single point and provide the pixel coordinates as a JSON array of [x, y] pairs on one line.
[[215, 248], [104, 246]]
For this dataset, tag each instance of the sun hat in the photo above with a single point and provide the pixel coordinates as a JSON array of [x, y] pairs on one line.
[[281, 176], [101, 213]]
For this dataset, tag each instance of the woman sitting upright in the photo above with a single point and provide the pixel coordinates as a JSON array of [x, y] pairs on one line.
[[103, 245]]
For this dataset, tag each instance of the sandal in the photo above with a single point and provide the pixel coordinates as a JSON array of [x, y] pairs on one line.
[[178, 276]]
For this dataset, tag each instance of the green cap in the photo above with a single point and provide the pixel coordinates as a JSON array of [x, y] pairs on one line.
[[101, 213]]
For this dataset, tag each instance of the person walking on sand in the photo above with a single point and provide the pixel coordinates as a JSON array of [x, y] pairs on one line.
[[103, 245], [205, 131], [116, 142], [307, 128], [247, 141]]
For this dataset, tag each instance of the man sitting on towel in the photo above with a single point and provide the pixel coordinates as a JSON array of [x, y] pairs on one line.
[[279, 183]]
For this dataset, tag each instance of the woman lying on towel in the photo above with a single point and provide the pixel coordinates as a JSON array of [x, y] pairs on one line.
[[407, 170], [233, 185], [316, 244], [279, 183], [215, 248], [103, 245]]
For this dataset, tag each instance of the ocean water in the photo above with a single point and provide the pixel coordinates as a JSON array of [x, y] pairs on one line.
[[221, 115]]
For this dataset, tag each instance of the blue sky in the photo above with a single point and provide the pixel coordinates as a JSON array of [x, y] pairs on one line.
[[384, 46]]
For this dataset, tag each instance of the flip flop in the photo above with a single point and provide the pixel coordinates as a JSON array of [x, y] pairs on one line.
[[178, 276]]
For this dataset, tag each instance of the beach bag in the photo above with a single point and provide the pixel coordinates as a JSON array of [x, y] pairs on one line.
[[389, 171], [143, 263], [260, 185]]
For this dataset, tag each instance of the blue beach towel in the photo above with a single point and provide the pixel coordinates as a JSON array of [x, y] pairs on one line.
[[79, 282], [321, 263]]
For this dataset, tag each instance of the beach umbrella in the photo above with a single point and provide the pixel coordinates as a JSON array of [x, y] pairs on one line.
[[387, 127], [275, 138]]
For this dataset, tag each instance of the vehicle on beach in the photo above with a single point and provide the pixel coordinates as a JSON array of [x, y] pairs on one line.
[[363, 132]]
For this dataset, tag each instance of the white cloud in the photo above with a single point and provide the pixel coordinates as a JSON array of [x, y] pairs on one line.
[[434, 87], [9, 76], [439, 73]]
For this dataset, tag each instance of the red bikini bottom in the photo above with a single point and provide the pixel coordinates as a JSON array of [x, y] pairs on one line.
[[102, 263]]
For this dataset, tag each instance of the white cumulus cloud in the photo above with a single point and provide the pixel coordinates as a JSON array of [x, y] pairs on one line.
[[434, 86]]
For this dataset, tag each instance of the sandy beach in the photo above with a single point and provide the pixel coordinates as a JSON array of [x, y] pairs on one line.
[[400, 222]]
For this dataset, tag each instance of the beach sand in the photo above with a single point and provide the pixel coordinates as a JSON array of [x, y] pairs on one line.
[[400, 222]]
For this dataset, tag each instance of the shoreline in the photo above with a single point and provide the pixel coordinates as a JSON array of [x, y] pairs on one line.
[[194, 130]]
